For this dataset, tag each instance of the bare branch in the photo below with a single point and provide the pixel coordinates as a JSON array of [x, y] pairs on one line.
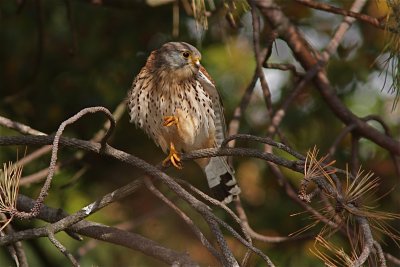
[[103, 233], [22, 128], [362, 17], [186, 219], [41, 174], [16, 249], [368, 242], [305, 54], [259, 58], [257, 236], [379, 252], [120, 155], [62, 249], [341, 30], [392, 258], [234, 124], [52, 168]]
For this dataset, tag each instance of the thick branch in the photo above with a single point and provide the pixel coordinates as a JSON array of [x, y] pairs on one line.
[[104, 233], [120, 155], [306, 56]]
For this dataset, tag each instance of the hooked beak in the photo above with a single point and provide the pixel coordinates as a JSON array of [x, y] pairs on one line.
[[196, 62]]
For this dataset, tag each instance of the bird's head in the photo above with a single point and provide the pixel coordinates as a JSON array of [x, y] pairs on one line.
[[180, 59]]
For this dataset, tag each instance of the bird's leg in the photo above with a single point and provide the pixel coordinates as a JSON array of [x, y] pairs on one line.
[[170, 120], [173, 157]]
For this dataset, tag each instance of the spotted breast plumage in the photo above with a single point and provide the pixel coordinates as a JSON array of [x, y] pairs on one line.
[[174, 100]]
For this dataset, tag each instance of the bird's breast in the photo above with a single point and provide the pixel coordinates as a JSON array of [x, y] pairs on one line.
[[192, 107], [155, 97]]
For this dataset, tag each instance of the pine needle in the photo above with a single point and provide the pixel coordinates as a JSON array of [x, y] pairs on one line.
[[9, 186], [356, 192], [330, 254], [392, 63]]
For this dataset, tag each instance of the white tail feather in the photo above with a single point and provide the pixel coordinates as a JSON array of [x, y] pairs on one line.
[[221, 179]]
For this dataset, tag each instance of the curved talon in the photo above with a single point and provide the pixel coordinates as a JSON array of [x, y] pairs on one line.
[[173, 157], [170, 120]]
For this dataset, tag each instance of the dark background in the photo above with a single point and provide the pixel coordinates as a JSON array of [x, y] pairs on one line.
[[57, 57]]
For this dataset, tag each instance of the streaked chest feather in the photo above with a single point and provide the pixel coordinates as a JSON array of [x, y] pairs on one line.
[[152, 98]]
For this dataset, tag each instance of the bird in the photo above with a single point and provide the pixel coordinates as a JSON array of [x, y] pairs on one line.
[[175, 101]]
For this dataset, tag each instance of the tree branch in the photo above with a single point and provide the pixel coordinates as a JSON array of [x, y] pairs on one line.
[[306, 56], [103, 233], [362, 17]]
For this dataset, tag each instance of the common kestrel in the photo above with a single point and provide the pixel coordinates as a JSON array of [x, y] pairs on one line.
[[174, 100]]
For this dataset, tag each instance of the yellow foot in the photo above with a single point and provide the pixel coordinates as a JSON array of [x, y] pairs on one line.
[[170, 120], [173, 157]]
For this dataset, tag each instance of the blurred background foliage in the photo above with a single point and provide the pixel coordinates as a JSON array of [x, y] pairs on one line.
[[58, 57]]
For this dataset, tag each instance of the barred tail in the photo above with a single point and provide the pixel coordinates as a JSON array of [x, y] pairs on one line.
[[221, 180]]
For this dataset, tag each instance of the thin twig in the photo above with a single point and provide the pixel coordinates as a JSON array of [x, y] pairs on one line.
[[62, 249], [264, 238], [259, 58], [392, 259], [16, 249], [341, 30], [386, 128], [154, 172], [283, 67], [52, 167], [339, 138], [306, 56], [126, 226], [362, 17], [186, 219], [20, 127], [234, 124], [368, 241], [104, 233], [41, 174], [379, 252]]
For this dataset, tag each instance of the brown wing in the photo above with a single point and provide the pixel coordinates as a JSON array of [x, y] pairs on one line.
[[209, 85]]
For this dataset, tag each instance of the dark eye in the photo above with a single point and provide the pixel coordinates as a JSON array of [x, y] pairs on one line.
[[185, 54]]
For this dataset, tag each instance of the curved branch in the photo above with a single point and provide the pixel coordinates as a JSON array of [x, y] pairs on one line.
[[199, 206], [306, 56], [52, 168]]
